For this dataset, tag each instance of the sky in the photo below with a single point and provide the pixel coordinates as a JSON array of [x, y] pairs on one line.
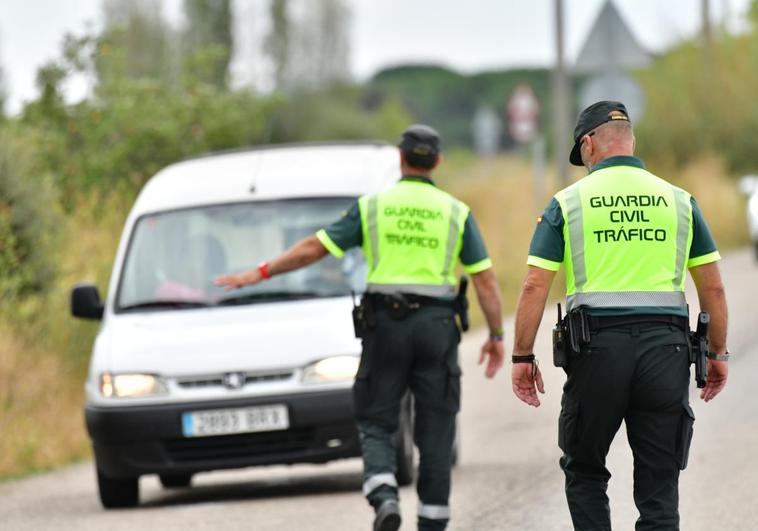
[[469, 36]]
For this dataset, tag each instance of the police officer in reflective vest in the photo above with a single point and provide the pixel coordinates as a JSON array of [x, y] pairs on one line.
[[626, 239], [412, 236]]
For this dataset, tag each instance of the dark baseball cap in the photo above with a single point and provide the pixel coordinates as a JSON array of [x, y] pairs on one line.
[[420, 140], [594, 116]]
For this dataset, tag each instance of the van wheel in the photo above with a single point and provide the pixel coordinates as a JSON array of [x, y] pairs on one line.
[[404, 449], [117, 493], [175, 481]]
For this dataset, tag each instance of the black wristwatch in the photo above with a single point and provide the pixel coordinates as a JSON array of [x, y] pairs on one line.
[[719, 357]]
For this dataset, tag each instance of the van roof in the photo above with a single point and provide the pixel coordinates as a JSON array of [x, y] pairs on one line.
[[345, 169]]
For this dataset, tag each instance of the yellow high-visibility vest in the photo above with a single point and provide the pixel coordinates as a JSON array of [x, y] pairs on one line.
[[412, 237], [627, 238]]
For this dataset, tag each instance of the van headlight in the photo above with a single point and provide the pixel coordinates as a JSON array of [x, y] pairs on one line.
[[131, 385], [331, 370]]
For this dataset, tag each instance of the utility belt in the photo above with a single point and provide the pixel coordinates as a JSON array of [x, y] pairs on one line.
[[573, 331], [400, 305]]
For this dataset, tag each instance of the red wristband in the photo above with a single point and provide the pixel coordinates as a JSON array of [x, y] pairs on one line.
[[263, 270]]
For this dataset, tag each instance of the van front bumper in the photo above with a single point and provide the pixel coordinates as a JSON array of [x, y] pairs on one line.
[[130, 441]]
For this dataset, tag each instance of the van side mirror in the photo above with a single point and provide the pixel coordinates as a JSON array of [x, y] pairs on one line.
[[86, 303], [749, 184]]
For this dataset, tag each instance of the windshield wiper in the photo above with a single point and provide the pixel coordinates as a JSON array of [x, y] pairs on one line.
[[246, 298], [173, 304]]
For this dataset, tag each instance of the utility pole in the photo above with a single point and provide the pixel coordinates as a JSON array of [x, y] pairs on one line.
[[560, 99]]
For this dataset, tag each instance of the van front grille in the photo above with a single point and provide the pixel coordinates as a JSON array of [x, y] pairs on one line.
[[231, 447], [217, 380]]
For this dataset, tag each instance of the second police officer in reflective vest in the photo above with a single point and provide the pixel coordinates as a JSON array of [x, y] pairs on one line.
[[407, 321], [626, 239]]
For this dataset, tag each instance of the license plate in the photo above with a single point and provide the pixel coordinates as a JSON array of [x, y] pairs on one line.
[[238, 420]]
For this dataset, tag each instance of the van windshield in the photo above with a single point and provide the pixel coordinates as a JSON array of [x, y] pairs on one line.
[[173, 257]]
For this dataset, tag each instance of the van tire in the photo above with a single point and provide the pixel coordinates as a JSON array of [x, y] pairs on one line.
[[175, 481], [116, 493], [404, 447]]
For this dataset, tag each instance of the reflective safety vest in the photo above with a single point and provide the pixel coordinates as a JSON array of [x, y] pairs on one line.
[[412, 237], [627, 238]]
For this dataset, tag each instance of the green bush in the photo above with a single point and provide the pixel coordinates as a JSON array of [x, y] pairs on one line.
[[29, 220], [700, 103]]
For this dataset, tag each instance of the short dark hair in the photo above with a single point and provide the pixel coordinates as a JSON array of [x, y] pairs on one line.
[[415, 160]]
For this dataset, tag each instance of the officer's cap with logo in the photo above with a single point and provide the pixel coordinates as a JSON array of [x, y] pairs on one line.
[[594, 116], [420, 140]]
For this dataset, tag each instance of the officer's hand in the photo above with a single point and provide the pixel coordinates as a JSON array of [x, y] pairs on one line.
[[494, 352], [527, 380], [230, 282], [717, 374]]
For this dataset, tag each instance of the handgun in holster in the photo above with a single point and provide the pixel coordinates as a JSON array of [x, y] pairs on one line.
[[560, 356], [461, 303], [569, 335], [363, 316], [698, 348]]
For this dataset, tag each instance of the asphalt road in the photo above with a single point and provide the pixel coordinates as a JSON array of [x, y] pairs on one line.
[[508, 477]]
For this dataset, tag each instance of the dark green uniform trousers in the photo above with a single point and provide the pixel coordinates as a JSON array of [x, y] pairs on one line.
[[419, 353], [638, 374]]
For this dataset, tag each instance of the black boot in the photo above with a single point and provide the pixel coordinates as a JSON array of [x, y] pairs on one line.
[[387, 517]]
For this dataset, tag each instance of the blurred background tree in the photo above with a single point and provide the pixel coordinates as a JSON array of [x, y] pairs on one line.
[[208, 31], [2, 96], [308, 44], [277, 43], [29, 221], [136, 42]]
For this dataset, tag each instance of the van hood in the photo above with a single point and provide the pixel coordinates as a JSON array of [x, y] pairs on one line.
[[257, 337]]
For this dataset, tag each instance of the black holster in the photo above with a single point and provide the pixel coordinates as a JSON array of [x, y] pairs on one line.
[[364, 318], [698, 348], [569, 335], [461, 303]]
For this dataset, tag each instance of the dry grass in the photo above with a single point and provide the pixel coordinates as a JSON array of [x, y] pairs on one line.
[[44, 352]]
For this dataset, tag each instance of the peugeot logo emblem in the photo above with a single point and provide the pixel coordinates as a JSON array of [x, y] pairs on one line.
[[234, 380]]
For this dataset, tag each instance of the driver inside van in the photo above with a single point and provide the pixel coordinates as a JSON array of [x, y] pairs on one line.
[[191, 278]]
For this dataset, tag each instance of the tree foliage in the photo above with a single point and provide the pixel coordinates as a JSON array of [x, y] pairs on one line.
[[697, 106], [209, 32], [308, 44], [29, 219], [136, 41], [276, 44]]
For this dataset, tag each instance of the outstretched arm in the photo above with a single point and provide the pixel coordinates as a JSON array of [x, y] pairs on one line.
[[527, 379], [488, 294], [303, 253], [710, 293]]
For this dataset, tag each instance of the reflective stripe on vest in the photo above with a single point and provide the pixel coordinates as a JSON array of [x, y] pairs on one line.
[[412, 237], [623, 299], [627, 238]]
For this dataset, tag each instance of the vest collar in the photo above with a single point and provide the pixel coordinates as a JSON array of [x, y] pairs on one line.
[[418, 179], [620, 160]]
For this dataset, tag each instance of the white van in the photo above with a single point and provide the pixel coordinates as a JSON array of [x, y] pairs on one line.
[[186, 377]]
